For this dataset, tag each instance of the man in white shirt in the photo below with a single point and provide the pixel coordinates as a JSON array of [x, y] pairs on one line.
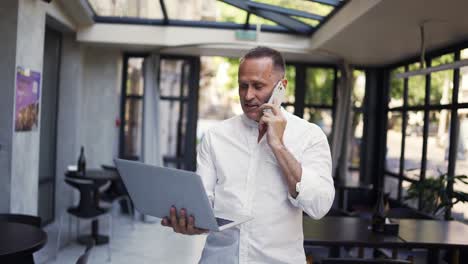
[[273, 178]]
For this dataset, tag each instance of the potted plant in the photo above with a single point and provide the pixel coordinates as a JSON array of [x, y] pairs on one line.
[[434, 195]]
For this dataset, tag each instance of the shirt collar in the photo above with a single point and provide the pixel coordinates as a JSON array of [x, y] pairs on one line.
[[248, 122], [252, 123]]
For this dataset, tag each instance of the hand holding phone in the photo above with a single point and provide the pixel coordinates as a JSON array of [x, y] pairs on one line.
[[278, 95]]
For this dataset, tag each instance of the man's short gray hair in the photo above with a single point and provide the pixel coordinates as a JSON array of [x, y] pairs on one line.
[[266, 52]]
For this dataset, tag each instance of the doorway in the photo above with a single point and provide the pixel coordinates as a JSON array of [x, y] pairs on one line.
[[48, 127]]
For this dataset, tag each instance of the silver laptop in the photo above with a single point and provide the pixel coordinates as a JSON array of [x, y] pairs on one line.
[[154, 190]]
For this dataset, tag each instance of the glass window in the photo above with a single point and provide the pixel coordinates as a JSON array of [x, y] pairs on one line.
[[170, 78], [172, 132], [416, 87], [391, 186], [439, 121], [460, 210], [135, 76], [218, 92], [463, 88], [438, 143], [441, 87], [413, 203], [413, 144], [147, 9], [291, 89], [133, 128], [359, 88], [321, 117], [306, 6], [442, 81], [394, 140], [461, 166], [444, 59], [396, 89], [319, 86], [229, 13], [356, 140], [308, 21], [254, 20]]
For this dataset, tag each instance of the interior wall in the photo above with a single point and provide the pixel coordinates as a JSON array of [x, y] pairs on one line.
[[25, 151], [8, 27], [89, 103], [100, 106], [69, 101]]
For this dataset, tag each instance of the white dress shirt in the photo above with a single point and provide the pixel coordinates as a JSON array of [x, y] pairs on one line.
[[242, 176]]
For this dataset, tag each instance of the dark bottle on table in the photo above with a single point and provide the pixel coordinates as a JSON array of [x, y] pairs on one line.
[[378, 216], [82, 162]]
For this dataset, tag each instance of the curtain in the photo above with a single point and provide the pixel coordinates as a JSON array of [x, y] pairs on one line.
[[342, 133], [151, 153]]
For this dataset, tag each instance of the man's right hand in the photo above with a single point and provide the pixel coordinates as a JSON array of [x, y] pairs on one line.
[[182, 224]]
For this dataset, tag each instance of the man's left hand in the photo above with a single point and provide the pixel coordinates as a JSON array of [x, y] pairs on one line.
[[275, 124]]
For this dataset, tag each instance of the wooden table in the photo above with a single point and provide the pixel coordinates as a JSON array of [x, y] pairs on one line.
[[19, 241], [94, 175]]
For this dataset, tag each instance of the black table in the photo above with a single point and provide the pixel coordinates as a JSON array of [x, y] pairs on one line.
[[413, 233], [433, 235], [334, 232], [19, 241], [94, 175]]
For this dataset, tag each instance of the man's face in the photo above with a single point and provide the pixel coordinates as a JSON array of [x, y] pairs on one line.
[[257, 79]]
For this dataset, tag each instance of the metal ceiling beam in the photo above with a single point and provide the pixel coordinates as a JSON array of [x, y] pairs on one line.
[[280, 19], [334, 3], [285, 11], [247, 21], [164, 11]]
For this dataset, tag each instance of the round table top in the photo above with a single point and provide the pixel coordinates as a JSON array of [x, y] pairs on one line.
[[20, 239], [94, 174]]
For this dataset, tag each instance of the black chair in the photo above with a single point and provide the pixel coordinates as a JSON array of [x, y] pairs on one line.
[[361, 202], [364, 261], [83, 259], [22, 219], [87, 208]]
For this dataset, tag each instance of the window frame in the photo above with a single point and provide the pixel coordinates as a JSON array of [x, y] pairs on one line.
[[427, 107]]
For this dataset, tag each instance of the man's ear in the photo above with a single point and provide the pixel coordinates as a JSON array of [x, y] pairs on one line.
[[285, 83]]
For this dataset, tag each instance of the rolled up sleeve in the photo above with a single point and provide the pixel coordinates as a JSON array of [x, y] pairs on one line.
[[316, 190]]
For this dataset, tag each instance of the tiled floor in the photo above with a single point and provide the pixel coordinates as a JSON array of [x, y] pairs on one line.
[[146, 243]]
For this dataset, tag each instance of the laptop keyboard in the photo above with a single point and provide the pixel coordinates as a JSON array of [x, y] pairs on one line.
[[222, 221]]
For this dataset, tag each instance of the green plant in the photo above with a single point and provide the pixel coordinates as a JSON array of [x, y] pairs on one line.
[[434, 195]]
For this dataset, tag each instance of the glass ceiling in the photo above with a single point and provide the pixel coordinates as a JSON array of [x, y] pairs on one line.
[[291, 16]]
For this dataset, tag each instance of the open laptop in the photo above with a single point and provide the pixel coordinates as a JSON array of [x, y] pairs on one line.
[[155, 189]]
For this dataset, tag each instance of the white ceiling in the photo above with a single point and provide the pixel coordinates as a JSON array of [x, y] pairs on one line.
[[389, 31]]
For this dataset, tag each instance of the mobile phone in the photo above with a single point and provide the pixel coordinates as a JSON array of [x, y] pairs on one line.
[[279, 94]]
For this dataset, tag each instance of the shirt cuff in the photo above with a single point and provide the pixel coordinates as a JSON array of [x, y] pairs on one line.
[[296, 201]]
